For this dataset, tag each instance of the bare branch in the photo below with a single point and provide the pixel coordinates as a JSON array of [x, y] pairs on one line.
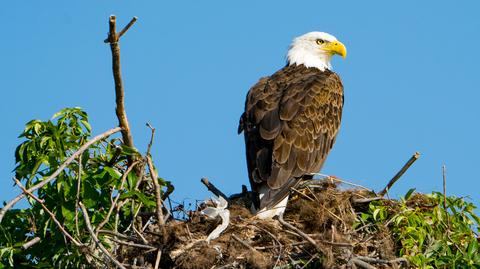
[[158, 192], [95, 238], [31, 243], [444, 175], [299, 232], [214, 189], [157, 260], [132, 244], [59, 170], [113, 39], [361, 264], [366, 200], [400, 173], [151, 138], [77, 199], [245, 244]]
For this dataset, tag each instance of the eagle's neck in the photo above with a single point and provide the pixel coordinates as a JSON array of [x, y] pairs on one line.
[[310, 58]]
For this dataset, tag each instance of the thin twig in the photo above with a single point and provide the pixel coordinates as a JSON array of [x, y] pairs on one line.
[[302, 194], [299, 232], [118, 235], [157, 260], [52, 216], [47, 180], [312, 182], [400, 173], [132, 244], [214, 189], [247, 245], [444, 175], [77, 199], [382, 261], [95, 238], [151, 138], [31, 243], [114, 203], [158, 192], [362, 264], [366, 200]]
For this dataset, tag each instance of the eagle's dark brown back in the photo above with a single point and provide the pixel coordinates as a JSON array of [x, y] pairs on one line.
[[290, 123]]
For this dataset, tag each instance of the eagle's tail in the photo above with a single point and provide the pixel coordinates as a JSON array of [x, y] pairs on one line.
[[273, 201]]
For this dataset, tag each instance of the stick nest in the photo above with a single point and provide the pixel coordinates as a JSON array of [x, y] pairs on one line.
[[323, 212]]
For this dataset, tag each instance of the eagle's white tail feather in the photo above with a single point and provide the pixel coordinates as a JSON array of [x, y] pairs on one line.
[[268, 213]]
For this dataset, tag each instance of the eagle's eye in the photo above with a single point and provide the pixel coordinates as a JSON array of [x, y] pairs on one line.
[[320, 41]]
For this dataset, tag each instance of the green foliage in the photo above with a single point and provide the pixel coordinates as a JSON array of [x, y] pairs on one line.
[[427, 234], [46, 146]]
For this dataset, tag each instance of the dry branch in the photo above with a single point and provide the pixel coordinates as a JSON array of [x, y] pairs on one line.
[[59, 170], [158, 192], [31, 243], [299, 232], [95, 238], [214, 189], [113, 39], [400, 173]]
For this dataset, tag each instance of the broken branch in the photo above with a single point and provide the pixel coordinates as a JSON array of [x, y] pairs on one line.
[[214, 189], [400, 173]]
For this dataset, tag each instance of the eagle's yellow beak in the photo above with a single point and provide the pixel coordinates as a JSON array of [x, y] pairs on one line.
[[336, 47]]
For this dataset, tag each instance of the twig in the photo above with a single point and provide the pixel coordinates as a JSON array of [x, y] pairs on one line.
[[302, 194], [299, 232], [52, 216], [366, 200], [151, 138], [382, 261], [158, 192], [140, 235], [77, 199], [157, 260], [214, 189], [400, 173], [114, 203], [247, 245], [125, 29], [95, 238], [132, 244], [117, 235], [362, 264], [31, 243], [444, 175], [312, 182], [58, 171]]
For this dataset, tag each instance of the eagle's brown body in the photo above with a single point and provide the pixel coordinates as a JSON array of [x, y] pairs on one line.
[[290, 123]]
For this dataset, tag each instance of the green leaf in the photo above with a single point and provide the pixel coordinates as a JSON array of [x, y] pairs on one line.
[[87, 125], [409, 193], [148, 201], [375, 213], [113, 172]]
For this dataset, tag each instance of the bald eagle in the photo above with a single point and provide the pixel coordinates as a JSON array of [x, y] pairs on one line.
[[291, 120]]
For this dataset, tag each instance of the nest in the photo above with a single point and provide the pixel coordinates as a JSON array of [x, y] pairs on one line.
[[316, 231]]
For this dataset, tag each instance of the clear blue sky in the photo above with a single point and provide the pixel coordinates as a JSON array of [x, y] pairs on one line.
[[411, 82]]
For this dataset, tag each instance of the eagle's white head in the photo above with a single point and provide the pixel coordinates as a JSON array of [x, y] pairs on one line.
[[315, 49]]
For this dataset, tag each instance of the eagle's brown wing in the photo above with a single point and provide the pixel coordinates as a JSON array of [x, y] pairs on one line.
[[290, 122]]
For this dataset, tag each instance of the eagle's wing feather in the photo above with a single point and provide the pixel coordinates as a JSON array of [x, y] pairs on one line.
[[291, 120]]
